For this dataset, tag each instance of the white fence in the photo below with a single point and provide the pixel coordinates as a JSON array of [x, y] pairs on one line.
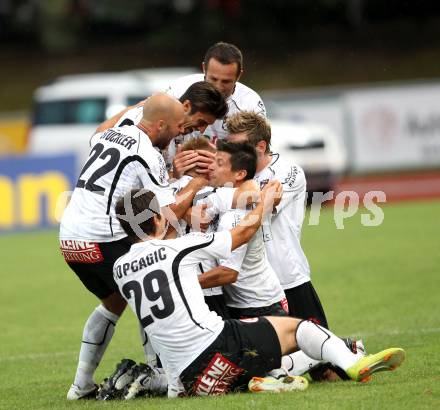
[[387, 127]]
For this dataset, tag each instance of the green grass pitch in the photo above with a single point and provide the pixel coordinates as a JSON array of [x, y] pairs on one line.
[[379, 283]]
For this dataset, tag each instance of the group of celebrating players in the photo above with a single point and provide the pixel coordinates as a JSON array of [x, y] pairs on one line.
[[211, 262]]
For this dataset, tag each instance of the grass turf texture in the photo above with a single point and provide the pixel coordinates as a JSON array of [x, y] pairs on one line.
[[380, 283]]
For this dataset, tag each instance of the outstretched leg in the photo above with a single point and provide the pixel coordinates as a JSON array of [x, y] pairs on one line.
[[97, 333]]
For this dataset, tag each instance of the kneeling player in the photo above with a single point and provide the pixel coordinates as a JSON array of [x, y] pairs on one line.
[[211, 356]]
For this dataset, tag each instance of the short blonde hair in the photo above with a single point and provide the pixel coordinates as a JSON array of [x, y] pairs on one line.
[[254, 125], [198, 143]]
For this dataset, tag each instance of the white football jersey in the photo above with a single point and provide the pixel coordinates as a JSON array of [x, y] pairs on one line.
[[218, 200], [257, 284], [242, 99], [121, 159], [159, 280], [282, 237], [134, 116]]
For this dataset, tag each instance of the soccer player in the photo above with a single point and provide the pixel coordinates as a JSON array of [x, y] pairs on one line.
[[219, 200], [255, 290], [91, 237], [282, 236], [202, 103], [222, 67], [210, 356]]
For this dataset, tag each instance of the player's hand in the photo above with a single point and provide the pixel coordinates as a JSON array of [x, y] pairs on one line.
[[183, 161], [248, 193], [204, 160], [270, 195], [200, 218]]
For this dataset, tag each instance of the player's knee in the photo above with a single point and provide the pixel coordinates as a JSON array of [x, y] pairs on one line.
[[115, 303], [285, 328]]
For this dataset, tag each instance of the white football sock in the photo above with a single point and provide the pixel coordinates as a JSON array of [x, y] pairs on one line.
[[158, 384], [321, 344], [97, 334], [298, 363], [150, 354]]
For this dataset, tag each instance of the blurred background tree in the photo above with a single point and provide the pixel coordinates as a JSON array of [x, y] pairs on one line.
[[294, 43]]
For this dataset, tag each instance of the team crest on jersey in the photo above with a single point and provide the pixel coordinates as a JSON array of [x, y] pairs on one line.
[[285, 305], [263, 183], [81, 251], [224, 124], [217, 378], [291, 177], [162, 170], [261, 106]]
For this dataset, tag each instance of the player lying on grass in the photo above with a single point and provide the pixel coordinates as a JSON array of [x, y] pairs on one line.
[[91, 238], [250, 285], [282, 237], [208, 355]]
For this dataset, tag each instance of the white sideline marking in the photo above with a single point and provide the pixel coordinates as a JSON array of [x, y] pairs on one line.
[[398, 332], [37, 356]]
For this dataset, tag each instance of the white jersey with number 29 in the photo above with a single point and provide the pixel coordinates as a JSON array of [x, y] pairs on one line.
[[158, 278]]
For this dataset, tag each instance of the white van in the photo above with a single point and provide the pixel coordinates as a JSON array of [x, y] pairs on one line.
[[67, 111]]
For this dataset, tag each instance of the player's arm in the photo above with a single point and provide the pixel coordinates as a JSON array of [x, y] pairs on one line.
[[218, 276], [227, 269], [198, 217], [219, 201], [186, 160], [246, 194], [185, 197], [244, 231], [294, 189]]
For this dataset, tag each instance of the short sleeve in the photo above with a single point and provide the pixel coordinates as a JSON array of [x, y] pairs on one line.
[[294, 187], [260, 108], [218, 201], [94, 139], [131, 117], [208, 246], [236, 258], [154, 176]]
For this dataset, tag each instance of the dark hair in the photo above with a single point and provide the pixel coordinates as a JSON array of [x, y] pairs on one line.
[[225, 53], [132, 204], [205, 98], [243, 156]]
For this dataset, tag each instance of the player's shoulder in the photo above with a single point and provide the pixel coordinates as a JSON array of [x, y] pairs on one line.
[[193, 241], [246, 98], [286, 172], [180, 85], [121, 137], [178, 184], [230, 218]]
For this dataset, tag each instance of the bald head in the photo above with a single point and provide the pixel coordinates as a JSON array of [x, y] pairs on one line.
[[161, 106], [163, 119]]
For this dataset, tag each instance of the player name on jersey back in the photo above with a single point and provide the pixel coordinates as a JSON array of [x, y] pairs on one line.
[[121, 159], [140, 263], [118, 138]]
